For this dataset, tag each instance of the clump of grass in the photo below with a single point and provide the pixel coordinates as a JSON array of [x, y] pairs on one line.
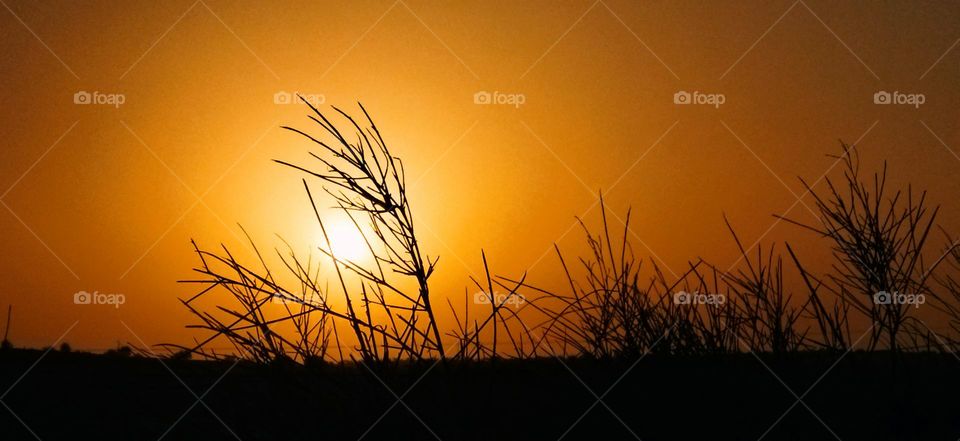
[[6, 344], [248, 327], [499, 322], [612, 310], [833, 322], [769, 319], [878, 245], [603, 316], [947, 297], [368, 184]]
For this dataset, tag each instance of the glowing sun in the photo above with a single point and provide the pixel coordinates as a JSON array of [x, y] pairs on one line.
[[346, 242]]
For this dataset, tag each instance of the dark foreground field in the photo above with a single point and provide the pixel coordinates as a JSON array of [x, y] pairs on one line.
[[866, 396]]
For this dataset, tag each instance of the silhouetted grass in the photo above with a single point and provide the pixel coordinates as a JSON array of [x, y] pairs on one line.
[[616, 305], [878, 241]]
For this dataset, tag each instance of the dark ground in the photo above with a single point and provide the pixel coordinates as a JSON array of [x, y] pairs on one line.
[[76, 396]]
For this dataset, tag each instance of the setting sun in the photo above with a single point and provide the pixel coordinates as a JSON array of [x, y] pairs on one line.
[[346, 241]]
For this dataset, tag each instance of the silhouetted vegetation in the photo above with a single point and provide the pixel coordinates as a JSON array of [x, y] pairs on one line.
[[350, 359], [878, 244], [614, 307], [6, 344]]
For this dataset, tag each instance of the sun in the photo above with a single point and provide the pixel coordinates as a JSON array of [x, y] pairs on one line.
[[346, 242]]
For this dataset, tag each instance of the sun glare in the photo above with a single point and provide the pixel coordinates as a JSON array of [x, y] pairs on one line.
[[346, 242]]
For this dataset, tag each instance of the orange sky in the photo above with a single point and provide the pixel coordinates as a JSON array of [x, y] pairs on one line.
[[106, 198]]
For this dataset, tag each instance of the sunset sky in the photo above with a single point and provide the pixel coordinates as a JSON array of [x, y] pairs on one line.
[[106, 196]]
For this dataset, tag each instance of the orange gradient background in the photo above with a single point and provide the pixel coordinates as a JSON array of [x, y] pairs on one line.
[[107, 199]]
